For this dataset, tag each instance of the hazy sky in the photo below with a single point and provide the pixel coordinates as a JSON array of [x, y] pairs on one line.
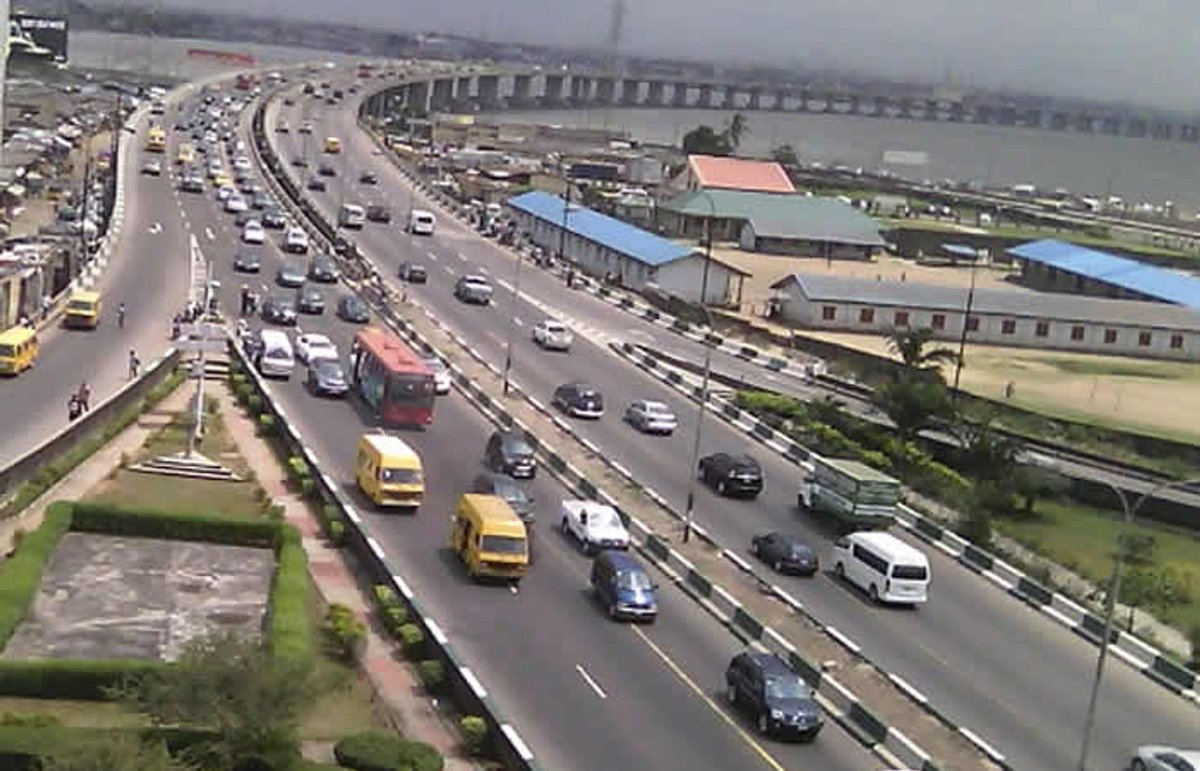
[[1107, 49]]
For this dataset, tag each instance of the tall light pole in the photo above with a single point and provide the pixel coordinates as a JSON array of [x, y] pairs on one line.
[[1110, 604], [689, 509], [966, 328], [512, 321]]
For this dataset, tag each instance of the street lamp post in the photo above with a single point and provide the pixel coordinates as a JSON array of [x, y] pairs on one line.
[[512, 321], [692, 473], [1110, 605]]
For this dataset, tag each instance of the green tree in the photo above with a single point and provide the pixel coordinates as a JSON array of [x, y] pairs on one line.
[[912, 346], [913, 404], [235, 688], [735, 130], [703, 140], [115, 750], [1034, 482], [786, 155]]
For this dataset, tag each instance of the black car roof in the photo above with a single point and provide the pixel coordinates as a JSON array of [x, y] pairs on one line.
[[770, 664], [620, 560]]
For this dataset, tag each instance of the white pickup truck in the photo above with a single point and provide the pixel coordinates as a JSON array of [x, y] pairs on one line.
[[594, 525]]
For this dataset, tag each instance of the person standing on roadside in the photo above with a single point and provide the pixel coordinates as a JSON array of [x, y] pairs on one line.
[[134, 364], [85, 396]]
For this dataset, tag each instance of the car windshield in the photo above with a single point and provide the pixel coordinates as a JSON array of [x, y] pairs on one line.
[[502, 544], [329, 368], [435, 365], [320, 345], [634, 580], [603, 518], [518, 447], [587, 393], [400, 476], [789, 687]]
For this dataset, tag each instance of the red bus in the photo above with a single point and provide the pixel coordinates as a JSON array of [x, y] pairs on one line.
[[392, 379]]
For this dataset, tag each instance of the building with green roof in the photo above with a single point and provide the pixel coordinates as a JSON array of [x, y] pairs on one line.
[[804, 226]]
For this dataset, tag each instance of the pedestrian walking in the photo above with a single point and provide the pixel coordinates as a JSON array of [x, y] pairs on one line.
[[121, 316], [45, 307], [134, 364], [84, 396], [245, 299]]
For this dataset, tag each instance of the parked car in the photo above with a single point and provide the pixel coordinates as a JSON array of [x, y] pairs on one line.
[[504, 486], [731, 474], [327, 378], [441, 373], [474, 289], [290, 275], [579, 400], [1154, 757], [280, 308], [553, 335], [351, 308], [246, 261], [310, 300], [785, 553], [295, 241], [314, 345], [413, 273], [509, 453], [594, 526], [317, 185], [779, 701], [323, 269], [651, 417], [379, 213]]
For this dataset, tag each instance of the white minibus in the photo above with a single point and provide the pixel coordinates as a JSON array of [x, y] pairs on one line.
[[352, 215], [883, 566], [275, 357], [420, 223]]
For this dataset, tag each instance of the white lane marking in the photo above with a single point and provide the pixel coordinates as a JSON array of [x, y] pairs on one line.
[[588, 679], [517, 321], [433, 257], [209, 234], [155, 228], [449, 269]]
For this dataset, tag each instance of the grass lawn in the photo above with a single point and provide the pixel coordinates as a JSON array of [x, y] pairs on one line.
[[344, 707], [1083, 539], [83, 714]]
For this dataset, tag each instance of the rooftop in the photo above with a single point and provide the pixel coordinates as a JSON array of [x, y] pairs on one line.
[[783, 216], [1149, 280], [1000, 302], [713, 171], [633, 242]]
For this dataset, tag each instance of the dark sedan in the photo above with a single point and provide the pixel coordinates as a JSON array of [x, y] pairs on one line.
[[299, 162], [579, 400], [274, 218], [731, 474], [290, 275], [504, 486], [310, 300], [280, 309], [317, 184], [368, 178], [324, 269], [326, 170], [326, 378], [351, 308], [247, 262], [379, 213], [785, 553], [413, 273]]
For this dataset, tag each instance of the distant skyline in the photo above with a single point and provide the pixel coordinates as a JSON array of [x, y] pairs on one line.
[[1105, 49]]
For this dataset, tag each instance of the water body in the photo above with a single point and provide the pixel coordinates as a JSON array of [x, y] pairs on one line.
[[1136, 169]]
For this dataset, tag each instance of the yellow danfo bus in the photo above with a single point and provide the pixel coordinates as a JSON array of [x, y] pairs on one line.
[[156, 139], [333, 145], [187, 154]]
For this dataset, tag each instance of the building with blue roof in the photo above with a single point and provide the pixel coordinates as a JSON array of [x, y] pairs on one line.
[[1056, 266], [603, 246]]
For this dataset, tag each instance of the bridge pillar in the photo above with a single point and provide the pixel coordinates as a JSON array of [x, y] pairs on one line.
[[1033, 118], [442, 97], [522, 93], [1162, 130], [705, 100], [1007, 116], [1189, 133], [656, 92], [417, 99], [630, 87], [679, 94], [1136, 127], [830, 97], [905, 105], [781, 100], [1084, 123], [552, 90], [605, 90], [956, 112], [581, 89], [489, 91], [729, 102], [462, 90], [755, 100], [1059, 120]]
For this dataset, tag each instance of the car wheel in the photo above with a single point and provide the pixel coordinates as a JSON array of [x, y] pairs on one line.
[[721, 487], [566, 529], [1137, 765], [612, 612], [764, 725], [778, 566], [873, 593], [839, 570], [731, 694], [754, 548]]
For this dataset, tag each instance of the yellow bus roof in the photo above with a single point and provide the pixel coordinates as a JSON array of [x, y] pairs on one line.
[[386, 444], [16, 335], [501, 519], [90, 297]]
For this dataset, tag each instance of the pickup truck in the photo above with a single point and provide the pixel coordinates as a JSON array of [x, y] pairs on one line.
[[594, 525]]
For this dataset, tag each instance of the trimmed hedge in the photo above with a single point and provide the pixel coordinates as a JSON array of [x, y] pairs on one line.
[[291, 631], [149, 523], [22, 747], [21, 574], [384, 751], [80, 679]]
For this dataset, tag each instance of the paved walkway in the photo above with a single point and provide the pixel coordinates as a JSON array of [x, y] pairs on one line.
[[338, 579]]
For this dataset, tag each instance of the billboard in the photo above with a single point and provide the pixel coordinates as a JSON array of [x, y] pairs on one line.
[[43, 32]]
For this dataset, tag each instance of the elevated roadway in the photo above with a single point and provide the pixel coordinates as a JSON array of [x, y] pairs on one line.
[[995, 667]]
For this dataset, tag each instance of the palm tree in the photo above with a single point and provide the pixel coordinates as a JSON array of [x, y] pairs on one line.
[[910, 345], [736, 129]]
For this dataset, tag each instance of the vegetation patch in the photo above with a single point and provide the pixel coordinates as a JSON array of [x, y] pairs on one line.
[[1102, 368]]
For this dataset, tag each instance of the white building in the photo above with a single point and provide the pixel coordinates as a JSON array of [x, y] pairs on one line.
[[638, 259], [997, 316]]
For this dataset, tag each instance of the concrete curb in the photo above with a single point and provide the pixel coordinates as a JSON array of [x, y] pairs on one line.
[[1143, 657]]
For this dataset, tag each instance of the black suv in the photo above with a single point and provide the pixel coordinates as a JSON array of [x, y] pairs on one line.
[[280, 309], [413, 273], [780, 702], [324, 269], [509, 453], [379, 213], [579, 400], [731, 474], [310, 300]]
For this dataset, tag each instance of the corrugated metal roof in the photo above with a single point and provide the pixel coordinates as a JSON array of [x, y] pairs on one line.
[[1001, 302], [783, 216], [713, 171], [633, 242], [1150, 280]]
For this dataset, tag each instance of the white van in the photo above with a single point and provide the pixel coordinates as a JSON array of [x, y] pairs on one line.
[[275, 357], [352, 215], [420, 223], [883, 566]]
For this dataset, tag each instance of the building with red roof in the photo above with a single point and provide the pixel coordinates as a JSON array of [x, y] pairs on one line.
[[711, 172]]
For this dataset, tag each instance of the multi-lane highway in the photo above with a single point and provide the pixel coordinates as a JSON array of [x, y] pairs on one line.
[[584, 692], [994, 666]]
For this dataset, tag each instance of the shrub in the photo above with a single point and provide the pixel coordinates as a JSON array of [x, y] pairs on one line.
[[764, 403], [328, 513], [432, 673], [337, 533], [474, 732], [276, 512], [1195, 640], [412, 639], [291, 633], [35, 720], [242, 392], [21, 573], [149, 523], [385, 751], [267, 425], [82, 679], [346, 635], [297, 468], [394, 618], [385, 596], [254, 403]]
